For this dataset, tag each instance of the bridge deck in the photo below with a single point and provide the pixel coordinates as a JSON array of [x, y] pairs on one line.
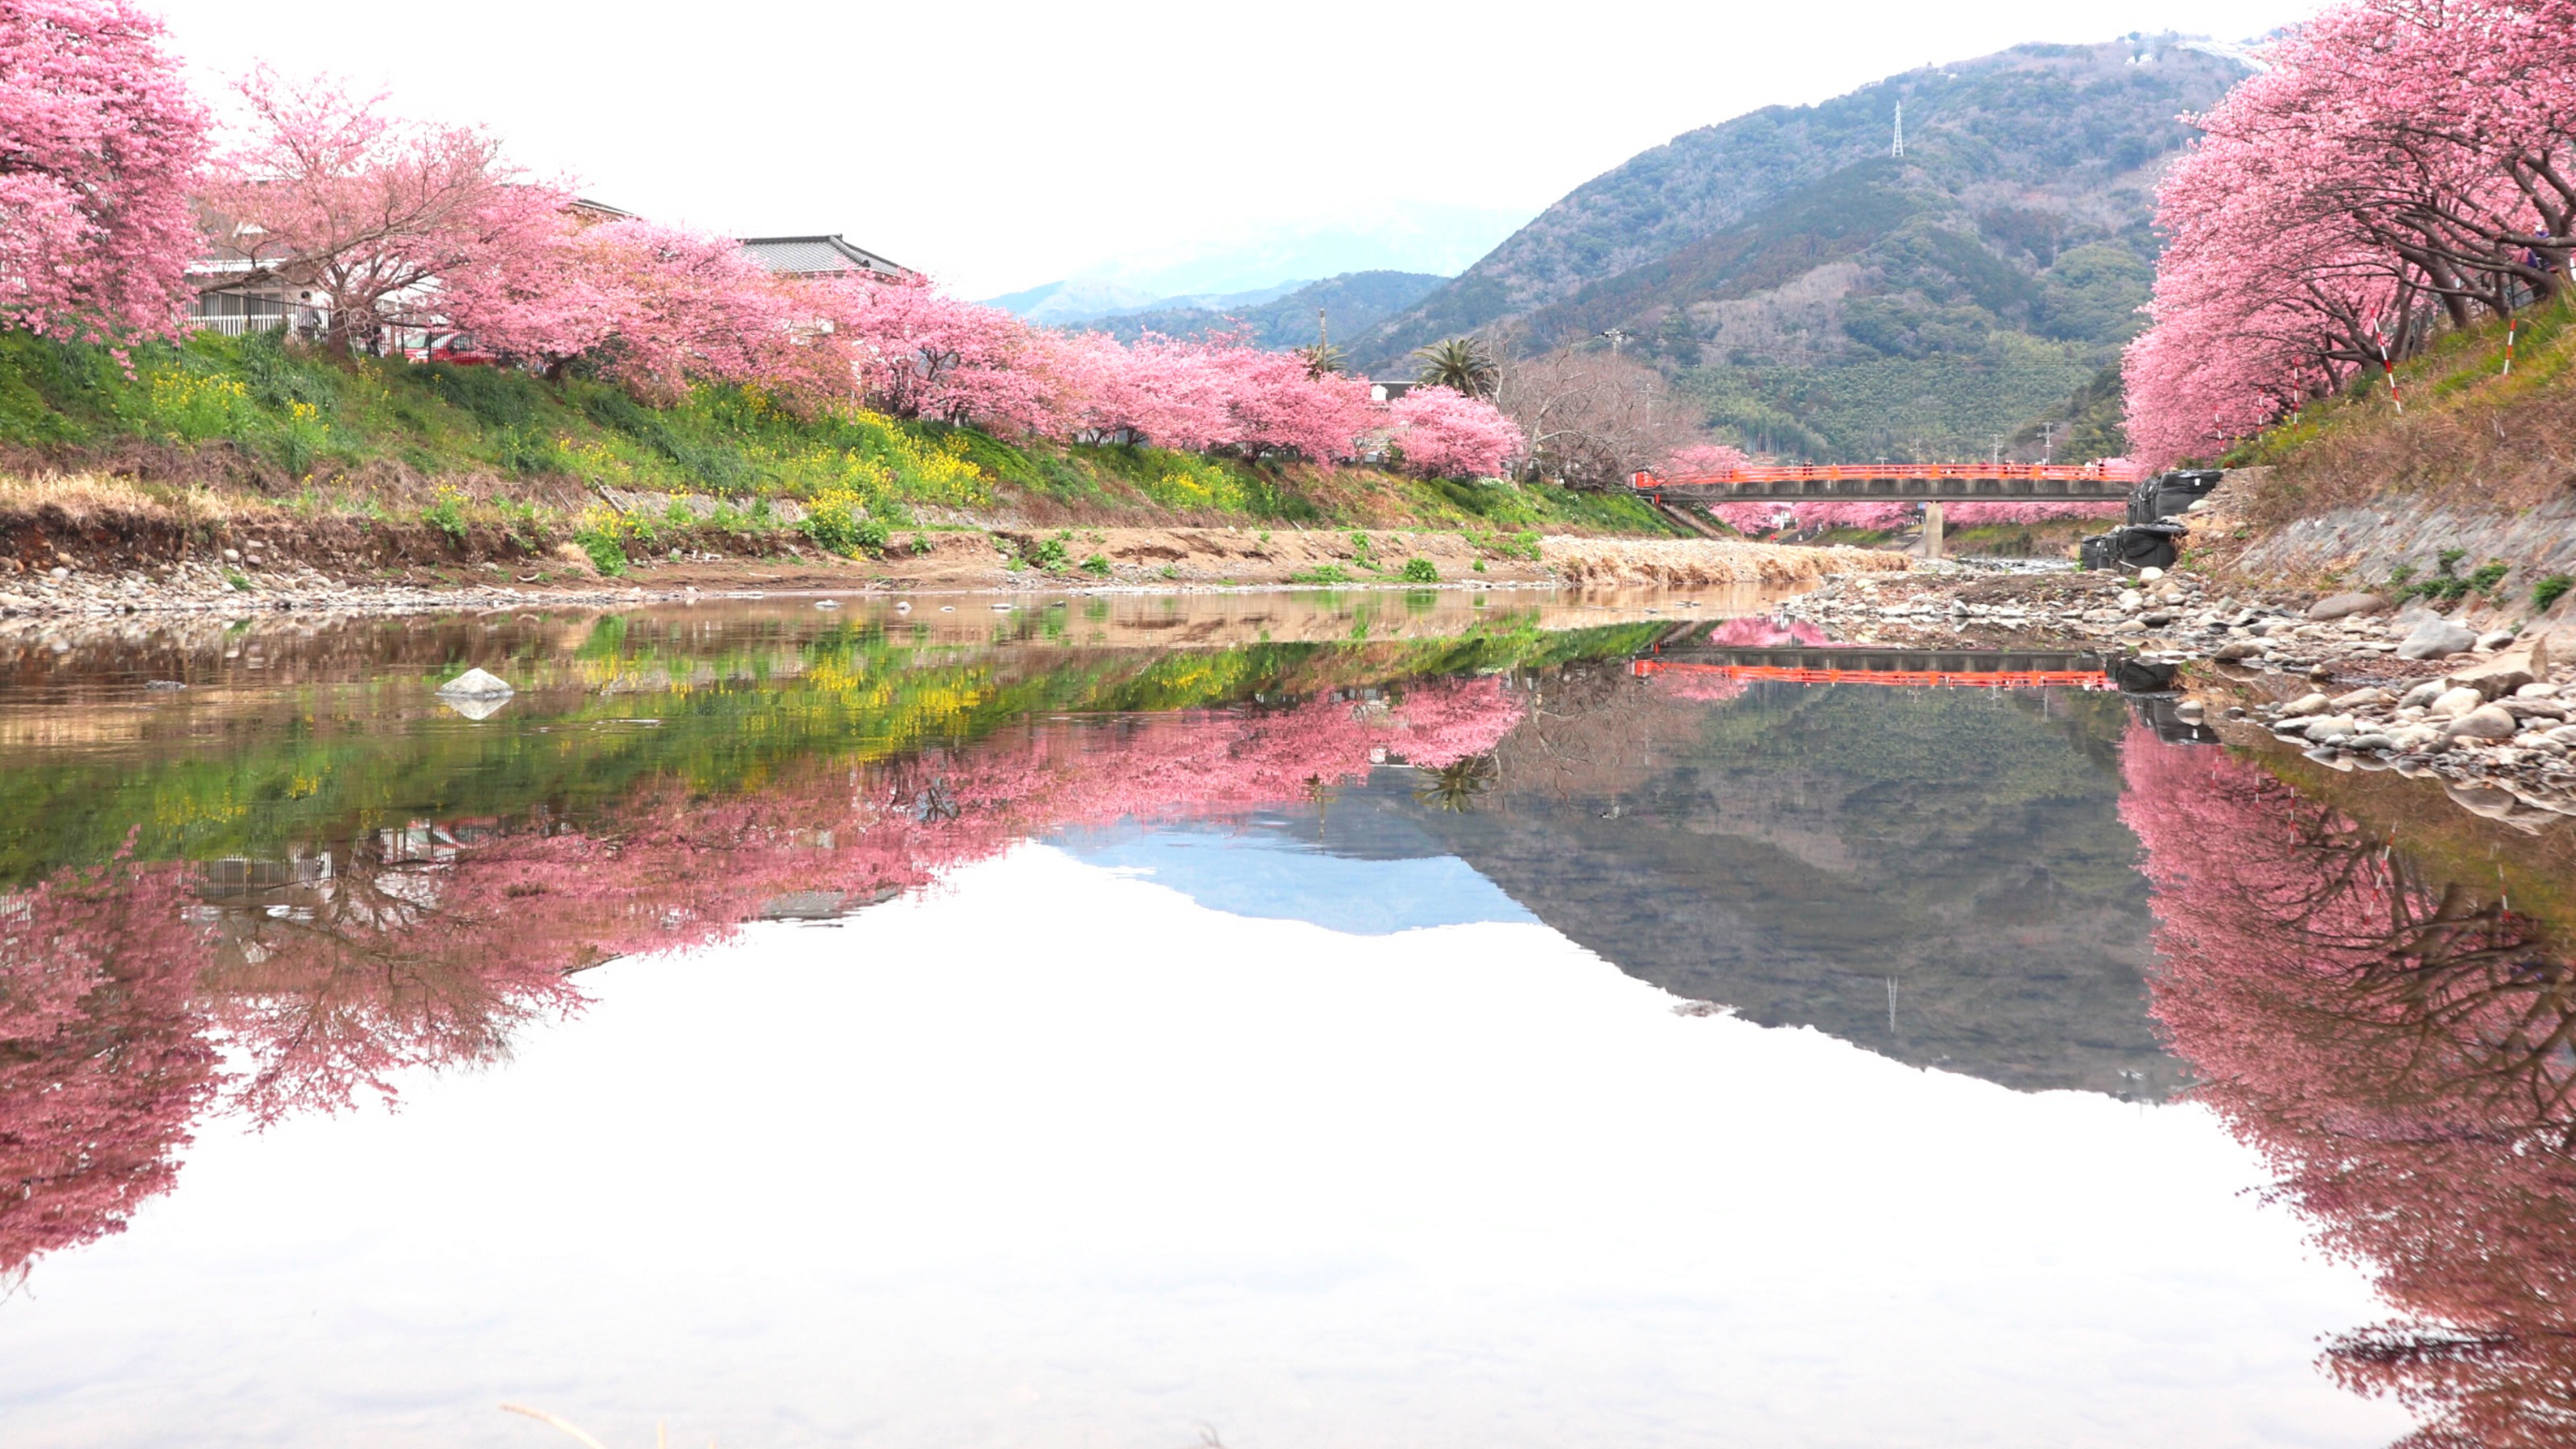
[[1897, 482]]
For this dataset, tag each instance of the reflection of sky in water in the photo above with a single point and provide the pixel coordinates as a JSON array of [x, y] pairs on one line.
[[1057, 1155], [1266, 868]]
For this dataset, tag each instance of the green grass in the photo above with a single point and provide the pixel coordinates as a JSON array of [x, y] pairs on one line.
[[310, 424]]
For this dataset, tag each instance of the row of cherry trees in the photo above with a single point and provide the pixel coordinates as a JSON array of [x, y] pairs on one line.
[[2401, 167], [112, 184]]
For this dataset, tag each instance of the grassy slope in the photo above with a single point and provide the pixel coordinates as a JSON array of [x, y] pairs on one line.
[[391, 439], [2467, 428]]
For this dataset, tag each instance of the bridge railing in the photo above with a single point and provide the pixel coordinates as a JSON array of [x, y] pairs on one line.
[[1761, 476]]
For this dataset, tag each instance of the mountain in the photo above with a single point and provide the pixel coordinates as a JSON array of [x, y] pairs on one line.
[[1351, 303], [1084, 299], [1241, 262], [1825, 297]]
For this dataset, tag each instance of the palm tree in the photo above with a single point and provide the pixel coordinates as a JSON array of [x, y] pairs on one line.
[[1321, 358], [1456, 786], [1459, 363]]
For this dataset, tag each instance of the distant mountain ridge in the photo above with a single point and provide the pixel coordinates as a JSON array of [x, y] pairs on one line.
[[1080, 299], [1350, 304], [1827, 298]]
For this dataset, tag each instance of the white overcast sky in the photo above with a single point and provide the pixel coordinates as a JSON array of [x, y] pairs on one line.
[[1002, 145]]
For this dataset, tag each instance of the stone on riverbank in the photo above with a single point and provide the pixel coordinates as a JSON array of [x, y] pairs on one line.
[[2486, 722], [2436, 638], [2339, 606], [2506, 673]]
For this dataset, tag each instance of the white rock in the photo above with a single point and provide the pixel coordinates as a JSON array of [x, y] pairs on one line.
[[2306, 705], [2150, 574], [476, 684], [2452, 703]]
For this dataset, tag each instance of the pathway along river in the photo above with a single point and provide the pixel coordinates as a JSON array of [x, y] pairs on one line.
[[1328, 1020]]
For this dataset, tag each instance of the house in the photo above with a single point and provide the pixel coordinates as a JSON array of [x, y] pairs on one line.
[[1388, 391], [234, 296], [821, 256]]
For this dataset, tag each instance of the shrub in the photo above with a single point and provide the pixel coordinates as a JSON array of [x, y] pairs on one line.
[[1096, 565], [194, 408], [1326, 574], [447, 514], [1419, 570], [300, 436], [2551, 589], [606, 554], [838, 520]]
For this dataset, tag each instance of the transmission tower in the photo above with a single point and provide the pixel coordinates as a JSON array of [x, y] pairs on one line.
[[1899, 149]]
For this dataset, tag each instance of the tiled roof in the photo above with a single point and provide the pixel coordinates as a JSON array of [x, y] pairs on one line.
[[807, 256]]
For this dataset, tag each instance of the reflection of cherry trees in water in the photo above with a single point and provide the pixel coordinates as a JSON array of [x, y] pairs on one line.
[[2403, 1051], [103, 1061], [428, 944]]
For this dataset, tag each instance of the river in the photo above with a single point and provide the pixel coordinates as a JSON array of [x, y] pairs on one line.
[[1332, 1019]]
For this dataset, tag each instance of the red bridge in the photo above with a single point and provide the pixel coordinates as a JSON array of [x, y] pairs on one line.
[[1898, 482]]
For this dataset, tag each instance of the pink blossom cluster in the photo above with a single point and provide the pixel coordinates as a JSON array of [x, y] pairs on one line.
[[2399, 168], [99, 143]]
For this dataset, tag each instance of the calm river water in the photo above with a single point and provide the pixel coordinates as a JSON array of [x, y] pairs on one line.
[[1349, 1020]]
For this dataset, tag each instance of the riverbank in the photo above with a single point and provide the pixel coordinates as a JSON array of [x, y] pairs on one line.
[[2351, 682], [273, 569]]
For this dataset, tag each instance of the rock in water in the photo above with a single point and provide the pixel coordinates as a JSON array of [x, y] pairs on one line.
[[2338, 606], [2436, 638], [475, 684]]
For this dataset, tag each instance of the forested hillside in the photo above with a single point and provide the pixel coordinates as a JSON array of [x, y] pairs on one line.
[[1824, 298], [1350, 303]]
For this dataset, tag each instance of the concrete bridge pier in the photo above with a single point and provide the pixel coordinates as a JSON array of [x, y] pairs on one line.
[[1931, 530]]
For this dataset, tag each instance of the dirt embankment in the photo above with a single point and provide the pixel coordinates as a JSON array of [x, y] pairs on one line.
[[111, 547], [2391, 541]]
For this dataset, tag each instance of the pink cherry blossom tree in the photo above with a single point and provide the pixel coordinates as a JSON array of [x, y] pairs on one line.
[[98, 141], [657, 306], [323, 190], [2402, 166], [1444, 433]]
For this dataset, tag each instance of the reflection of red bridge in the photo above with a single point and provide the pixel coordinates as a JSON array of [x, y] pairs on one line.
[[1898, 482], [1953, 668]]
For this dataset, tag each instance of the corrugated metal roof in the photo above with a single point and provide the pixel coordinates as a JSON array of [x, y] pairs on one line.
[[812, 255]]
